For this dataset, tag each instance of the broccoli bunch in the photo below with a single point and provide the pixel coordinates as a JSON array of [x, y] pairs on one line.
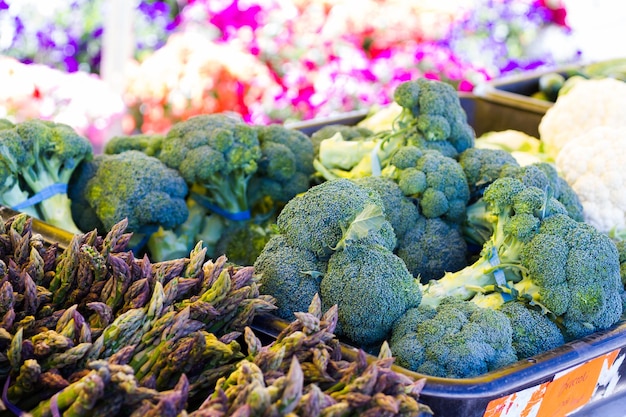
[[216, 154], [437, 182], [455, 339], [371, 287], [428, 246], [538, 254], [130, 185], [432, 117], [335, 240], [37, 160], [284, 167]]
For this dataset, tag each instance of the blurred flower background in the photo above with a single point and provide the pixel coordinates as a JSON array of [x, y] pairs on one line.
[[269, 60]]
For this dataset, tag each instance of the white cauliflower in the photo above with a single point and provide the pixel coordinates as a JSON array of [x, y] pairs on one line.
[[586, 104], [593, 165]]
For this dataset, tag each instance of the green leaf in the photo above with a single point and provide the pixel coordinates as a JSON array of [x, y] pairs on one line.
[[370, 219]]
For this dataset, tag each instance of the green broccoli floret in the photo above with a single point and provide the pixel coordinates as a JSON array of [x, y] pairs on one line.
[[348, 132], [432, 117], [37, 159], [428, 246], [431, 248], [371, 287], [134, 186], [477, 226], [482, 166], [290, 274], [539, 254], [533, 331], [456, 339], [216, 154], [437, 182], [317, 219], [150, 144], [399, 209], [285, 166]]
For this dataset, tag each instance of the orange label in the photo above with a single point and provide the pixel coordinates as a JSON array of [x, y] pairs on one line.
[[574, 388], [524, 403], [567, 392]]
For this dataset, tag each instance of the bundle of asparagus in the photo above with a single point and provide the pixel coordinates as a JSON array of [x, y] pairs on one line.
[[63, 311], [302, 373]]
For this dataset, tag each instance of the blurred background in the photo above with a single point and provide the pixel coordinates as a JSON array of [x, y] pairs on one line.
[[111, 66]]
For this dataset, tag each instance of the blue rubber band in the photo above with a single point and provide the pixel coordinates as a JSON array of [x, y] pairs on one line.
[[5, 390], [204, 202], [498, 274], [42, 195]]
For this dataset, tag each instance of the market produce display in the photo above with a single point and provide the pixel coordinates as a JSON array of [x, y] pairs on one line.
[[411, 232]]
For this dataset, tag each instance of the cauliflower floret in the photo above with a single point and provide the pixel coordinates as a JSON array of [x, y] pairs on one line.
[[586, 104], [592, 164]]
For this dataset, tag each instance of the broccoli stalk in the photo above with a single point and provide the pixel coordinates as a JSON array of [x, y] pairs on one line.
[[41, 156]]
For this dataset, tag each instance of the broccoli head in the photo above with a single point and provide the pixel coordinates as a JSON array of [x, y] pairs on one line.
[[216, 154], [431, 248], [285, 165], [540, 255], [150, 144], [37, 160], [533, 331], [456, 339], [435, 181], [432, 116], [134, 186], [371, 287], [318, 219], [290, 274]]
